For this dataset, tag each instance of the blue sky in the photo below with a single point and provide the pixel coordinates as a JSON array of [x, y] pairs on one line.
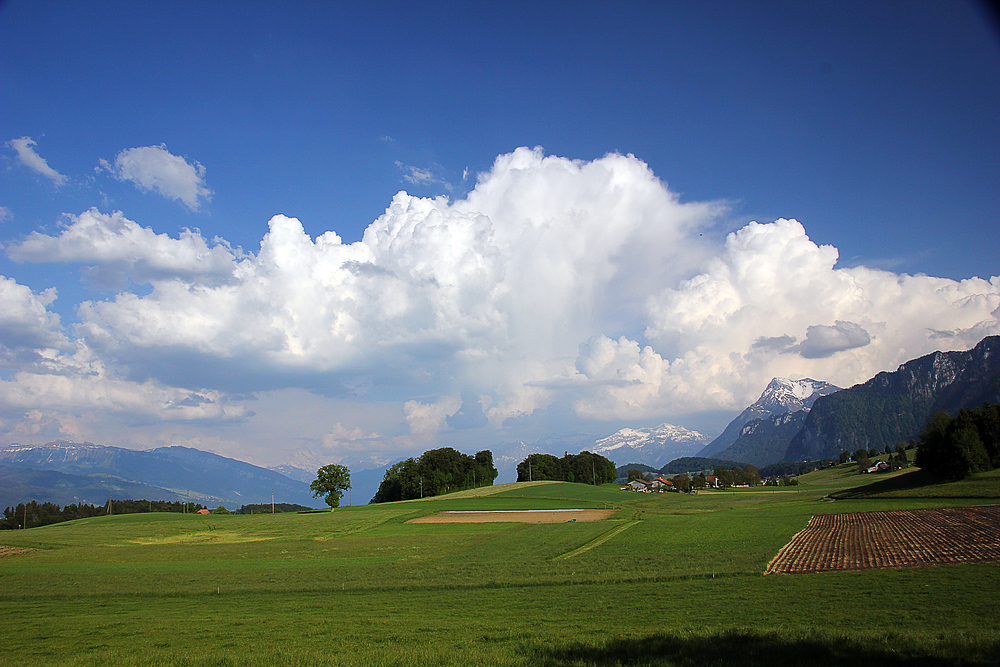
[[651, 209]]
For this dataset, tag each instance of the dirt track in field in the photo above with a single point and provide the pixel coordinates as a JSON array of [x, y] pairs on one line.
[[534, 516], [905, 538]]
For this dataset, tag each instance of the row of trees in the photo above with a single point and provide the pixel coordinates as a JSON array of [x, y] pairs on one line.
[[34, 514], [748, 475], [434, 472], [585, 467], [955, 447]]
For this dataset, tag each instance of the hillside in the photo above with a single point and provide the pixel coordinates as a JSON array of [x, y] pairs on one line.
[[353, 587], [765, 441]]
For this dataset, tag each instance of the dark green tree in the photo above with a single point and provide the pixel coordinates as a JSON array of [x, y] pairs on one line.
[[331, 482], [682, 483]]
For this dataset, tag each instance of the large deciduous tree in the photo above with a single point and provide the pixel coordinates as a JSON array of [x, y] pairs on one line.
[[331, 482]]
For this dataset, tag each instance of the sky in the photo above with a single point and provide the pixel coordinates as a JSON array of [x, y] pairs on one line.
[[309, 233]]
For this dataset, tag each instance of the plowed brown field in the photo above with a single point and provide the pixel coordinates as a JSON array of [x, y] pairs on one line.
[[905, 538], [533, 516]]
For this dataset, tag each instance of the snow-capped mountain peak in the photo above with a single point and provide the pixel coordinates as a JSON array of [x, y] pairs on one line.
[[781, 395], [652, 446], [784, 395]]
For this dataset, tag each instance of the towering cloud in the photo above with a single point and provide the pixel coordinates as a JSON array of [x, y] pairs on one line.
[[586, 284]]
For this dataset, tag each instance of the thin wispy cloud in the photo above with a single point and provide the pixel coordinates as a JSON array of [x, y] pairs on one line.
[[421, 176], [24, 146]]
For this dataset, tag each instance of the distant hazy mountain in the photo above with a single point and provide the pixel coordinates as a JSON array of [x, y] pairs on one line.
[[292, 472], [171, 473], [894, 407], [18, 485], [781, 396], [652, 446]]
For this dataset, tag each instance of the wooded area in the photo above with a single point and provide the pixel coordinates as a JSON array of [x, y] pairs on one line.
[[585, 468], [36, 514], [434, 472]]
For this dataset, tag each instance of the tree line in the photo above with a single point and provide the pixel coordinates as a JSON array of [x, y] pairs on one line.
[[34, 514], [956, 447], [585, 468], [434, 472]]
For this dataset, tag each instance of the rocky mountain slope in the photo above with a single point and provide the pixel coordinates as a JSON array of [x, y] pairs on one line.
[[765, 441], [780, 397], [894, 407]]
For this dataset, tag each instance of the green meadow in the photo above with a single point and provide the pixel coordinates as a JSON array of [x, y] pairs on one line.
[[669, 579]]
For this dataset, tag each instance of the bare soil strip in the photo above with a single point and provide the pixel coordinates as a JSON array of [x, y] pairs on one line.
[[14, 551], [525, 516], [905, 538]]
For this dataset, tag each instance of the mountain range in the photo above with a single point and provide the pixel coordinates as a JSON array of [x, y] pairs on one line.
[[653, 446], [791, 421], [67, 472], [894, 407]]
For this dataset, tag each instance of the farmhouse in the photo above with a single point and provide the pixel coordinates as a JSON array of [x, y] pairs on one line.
[[880, 466], [658, 485], [638, 485]]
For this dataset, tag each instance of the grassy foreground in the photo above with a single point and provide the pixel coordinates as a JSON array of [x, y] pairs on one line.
[[669, 580]]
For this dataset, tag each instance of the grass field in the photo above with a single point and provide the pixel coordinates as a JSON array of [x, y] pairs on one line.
[[670, 579]]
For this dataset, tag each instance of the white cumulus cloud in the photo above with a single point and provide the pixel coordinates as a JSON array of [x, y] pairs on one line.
[[774, 303], [115, 243], [155, 169], [493, 293], [29, 158], [582, 285], [80, 381], [25, 320]]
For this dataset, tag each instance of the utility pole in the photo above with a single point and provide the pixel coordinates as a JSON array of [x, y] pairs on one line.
[[272, 501]]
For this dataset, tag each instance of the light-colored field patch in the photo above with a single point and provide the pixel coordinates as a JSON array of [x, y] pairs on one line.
[[522, 516], [597, 541], [902, 538], [204, 537], [14, 551]]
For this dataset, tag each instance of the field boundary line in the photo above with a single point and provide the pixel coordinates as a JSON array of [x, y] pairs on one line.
[[597, 541]]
